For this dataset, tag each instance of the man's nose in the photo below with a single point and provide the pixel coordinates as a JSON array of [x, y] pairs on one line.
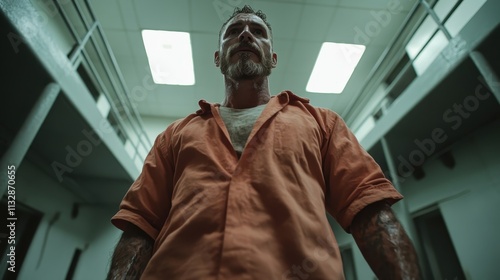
[[246, 35]]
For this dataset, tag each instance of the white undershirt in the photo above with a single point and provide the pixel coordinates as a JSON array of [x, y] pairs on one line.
[[239, 124]]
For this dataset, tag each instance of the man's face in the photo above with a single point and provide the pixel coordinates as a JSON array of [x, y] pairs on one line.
[[245, 49]]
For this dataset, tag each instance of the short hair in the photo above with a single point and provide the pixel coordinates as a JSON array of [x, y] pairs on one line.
[[246, 10]]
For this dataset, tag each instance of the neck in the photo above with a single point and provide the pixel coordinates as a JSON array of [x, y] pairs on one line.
[[246, 93]]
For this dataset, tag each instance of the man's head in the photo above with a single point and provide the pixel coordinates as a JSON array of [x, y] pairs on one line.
[[246, 10], [245, 46]]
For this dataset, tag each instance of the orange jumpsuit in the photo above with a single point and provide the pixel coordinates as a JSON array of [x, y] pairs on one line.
[[262, 216]]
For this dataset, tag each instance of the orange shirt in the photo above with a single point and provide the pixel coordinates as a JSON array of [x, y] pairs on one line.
[[214, 216]]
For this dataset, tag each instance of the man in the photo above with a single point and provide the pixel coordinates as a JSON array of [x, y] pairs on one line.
[[240, 190]]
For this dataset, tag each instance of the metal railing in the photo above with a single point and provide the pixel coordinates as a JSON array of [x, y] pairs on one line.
[[395, 51], [93, 48]]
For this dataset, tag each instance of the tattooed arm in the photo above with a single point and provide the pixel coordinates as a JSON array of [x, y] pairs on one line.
[[132, 254], [384, 243]]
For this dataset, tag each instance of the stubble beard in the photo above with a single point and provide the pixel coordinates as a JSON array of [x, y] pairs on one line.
[[245, 68]]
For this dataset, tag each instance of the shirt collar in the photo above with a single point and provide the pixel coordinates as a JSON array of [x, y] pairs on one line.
[[205, 107], [284, 98]]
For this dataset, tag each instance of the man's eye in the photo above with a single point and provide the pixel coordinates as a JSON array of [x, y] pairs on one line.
[[233, 31], [258, 31]]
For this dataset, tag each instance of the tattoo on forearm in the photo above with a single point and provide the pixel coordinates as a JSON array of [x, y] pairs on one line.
[[131, 256], [385, 244]]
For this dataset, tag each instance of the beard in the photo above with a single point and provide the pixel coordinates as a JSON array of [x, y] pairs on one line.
[[245, 68]]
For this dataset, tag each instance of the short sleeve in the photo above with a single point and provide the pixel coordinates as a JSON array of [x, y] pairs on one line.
[[147, 203], [353, 179]]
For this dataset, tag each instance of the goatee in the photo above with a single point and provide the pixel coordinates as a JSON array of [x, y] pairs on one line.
[[245, 68]]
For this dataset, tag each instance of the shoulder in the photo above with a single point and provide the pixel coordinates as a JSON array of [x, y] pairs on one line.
[[326, 118], [298, 101], [178, 125], [166, 139]]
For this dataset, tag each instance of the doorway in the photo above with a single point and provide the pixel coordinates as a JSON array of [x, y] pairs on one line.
[[439, 258]]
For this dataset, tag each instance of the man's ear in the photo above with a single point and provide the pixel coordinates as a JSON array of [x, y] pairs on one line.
[[275, 60], [216, 58]]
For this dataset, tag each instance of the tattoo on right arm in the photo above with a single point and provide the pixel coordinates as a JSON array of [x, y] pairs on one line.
[[132, 254]]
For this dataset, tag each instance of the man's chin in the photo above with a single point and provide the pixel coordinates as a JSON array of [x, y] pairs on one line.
[[235, 72], [241, 76]]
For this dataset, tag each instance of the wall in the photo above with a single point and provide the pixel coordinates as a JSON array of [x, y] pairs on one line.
[[95, 260], [88, 230], [48, 18], [469, 198]]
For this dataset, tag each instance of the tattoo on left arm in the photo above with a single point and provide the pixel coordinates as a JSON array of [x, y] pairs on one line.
[[384, 243]]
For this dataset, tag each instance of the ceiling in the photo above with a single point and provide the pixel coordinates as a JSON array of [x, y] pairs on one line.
[[299, 28]]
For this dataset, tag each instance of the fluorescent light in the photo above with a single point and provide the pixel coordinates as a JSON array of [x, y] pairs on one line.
[[334, 67], [170, 57]]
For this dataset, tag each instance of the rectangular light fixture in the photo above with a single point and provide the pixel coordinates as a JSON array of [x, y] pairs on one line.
[[334, 66], [170, 56]]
